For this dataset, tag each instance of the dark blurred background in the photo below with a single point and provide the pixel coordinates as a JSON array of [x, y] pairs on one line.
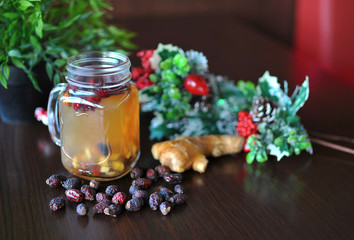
[[320, 30]]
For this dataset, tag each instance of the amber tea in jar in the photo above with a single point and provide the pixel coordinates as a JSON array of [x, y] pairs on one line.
[[94, 118]]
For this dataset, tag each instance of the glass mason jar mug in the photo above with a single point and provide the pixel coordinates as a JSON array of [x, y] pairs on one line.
[[94, 117]]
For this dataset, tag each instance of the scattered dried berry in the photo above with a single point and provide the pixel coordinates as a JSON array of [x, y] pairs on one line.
[[173, 178], [89, 192], [136, 173], [167, 194], [113, 210], [99, 207], [133, 189], [94, 184], [180, 198], [74, 195], [81, 209], [155, 200], [179, 188], [141, 183], [165, 208], [55, 180], [57, 203], [111, 190], [141, 194], [72, 183], [119, 198], [101, 197], [134, 204], [161, 170], [151, 174]]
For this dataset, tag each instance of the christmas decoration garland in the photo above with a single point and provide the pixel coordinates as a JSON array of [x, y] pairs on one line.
[[187, 100]]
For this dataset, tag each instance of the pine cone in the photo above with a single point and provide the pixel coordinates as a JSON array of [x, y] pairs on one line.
[[263, 110]]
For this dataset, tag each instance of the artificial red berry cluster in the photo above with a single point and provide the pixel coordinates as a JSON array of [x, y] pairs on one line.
[[245, 126], [141, 74]]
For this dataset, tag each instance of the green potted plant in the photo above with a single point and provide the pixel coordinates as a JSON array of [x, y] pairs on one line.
[[36, 39]]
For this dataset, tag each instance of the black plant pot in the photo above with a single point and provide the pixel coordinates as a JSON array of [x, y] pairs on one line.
[[20, 99]]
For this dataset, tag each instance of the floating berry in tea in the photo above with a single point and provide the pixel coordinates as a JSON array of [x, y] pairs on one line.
[[74, 195], [55, 180], [111, 190], [72, 183], [134, 204], [57, 203], [119, 198], [81, 209], [165, 208], [113, 210]]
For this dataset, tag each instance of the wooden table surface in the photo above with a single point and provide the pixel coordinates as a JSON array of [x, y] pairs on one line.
[[302, 197]]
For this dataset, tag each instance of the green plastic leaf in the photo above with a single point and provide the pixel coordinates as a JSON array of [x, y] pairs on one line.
[[4, 75], [59, 63], [13, 39], [24, 5], [301, 97], [247, 88], [56, 79], [250, 157], [34, 81]]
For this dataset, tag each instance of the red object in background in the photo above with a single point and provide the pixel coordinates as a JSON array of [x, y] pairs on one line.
[[324, 32]]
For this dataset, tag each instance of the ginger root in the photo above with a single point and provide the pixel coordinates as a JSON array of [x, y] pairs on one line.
[[184, 152]]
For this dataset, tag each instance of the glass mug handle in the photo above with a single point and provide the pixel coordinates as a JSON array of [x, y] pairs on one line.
[[53, 113]]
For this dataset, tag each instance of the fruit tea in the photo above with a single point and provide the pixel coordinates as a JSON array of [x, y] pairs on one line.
[[99, 131]]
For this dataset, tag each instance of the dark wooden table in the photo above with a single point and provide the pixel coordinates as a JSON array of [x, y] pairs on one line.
[[303, 197]]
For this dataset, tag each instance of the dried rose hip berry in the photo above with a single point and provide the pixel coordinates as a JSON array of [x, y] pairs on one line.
[[89, 192], [99, 207], [167, 194], [57, 203], [161, 170], [165, 208], [72, 183], [141, 183], [119, 198], [155, 200], [94, 184], [136, 173], [74, 195], [141, 194], [134, 204], [133, 189], [179, 188], [179, 198], [101, 197], [113, 210], [111, 190], [81, 209], [55, 180], [151, 174], [173, 178]]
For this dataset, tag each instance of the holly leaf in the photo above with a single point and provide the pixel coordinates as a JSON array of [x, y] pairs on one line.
[[247, 88], [277, 151], [300, 98]]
